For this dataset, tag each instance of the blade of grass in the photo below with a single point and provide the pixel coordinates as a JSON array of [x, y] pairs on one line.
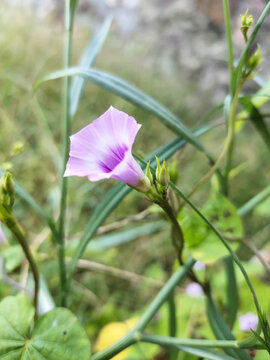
[[131, 94], [232, 291], [117, 238], [87, 60], [253, 202]]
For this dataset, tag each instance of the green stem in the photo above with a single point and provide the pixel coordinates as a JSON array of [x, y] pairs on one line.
[[226, 11], [225, 243], [227, 144], [11, 223], [134, 335], [172, 323], [65, 151], [172, 341]]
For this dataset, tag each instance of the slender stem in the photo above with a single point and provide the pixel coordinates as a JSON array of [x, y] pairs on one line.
[[65, 151], [227, 144], [134, 335], [172, 324], [226, 11], [225, 243], [16, 230], [172, 341]]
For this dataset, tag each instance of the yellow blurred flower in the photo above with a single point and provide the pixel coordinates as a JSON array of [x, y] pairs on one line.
[[113, 332]]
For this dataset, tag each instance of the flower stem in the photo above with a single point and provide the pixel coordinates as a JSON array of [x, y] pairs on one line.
[[65, 151], [226, 11], [16, 230]]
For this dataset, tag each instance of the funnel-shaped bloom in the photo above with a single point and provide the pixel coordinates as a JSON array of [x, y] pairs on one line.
[[102, 150]]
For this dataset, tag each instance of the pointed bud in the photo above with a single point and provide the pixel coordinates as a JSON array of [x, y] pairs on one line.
[[164, 175], [148, 173], [8, 183], [173, 170], [7, 186], [158, 169], [246, 22], [253, 63]]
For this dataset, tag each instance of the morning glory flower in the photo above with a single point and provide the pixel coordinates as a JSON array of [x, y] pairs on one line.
[[194, 290], [102, 150], [248, 321], [199, 265]]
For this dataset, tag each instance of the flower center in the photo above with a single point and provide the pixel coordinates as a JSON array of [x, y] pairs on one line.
[[113, 157]]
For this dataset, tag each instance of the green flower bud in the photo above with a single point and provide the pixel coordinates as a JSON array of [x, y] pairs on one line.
[[148, 173], [9, 183], [173, 170], [162, 174], [7, 186], [246, 22], [254, 60]]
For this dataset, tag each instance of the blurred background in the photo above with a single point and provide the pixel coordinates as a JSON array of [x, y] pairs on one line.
[[176, 52]]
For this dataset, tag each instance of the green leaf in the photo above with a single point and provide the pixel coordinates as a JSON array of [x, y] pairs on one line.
[[256, 119], [116, 195], [56, 335], [13, 256], [131, 94], [201, 241], [87, 60]]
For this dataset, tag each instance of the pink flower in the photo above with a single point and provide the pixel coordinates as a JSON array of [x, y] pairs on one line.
[[102, 150], [199, 265], [194, 290], [248, 321]]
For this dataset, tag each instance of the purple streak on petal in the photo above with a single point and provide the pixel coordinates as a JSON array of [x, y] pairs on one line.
[[102, 149], [199, 265], [248, 321], [194, 290]]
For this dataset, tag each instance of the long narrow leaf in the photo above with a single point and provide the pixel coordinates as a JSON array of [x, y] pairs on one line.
[[87, 60], [253, 202], [133, 95], [232, 291], [221, 330], [117, 238], [116, 195]]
